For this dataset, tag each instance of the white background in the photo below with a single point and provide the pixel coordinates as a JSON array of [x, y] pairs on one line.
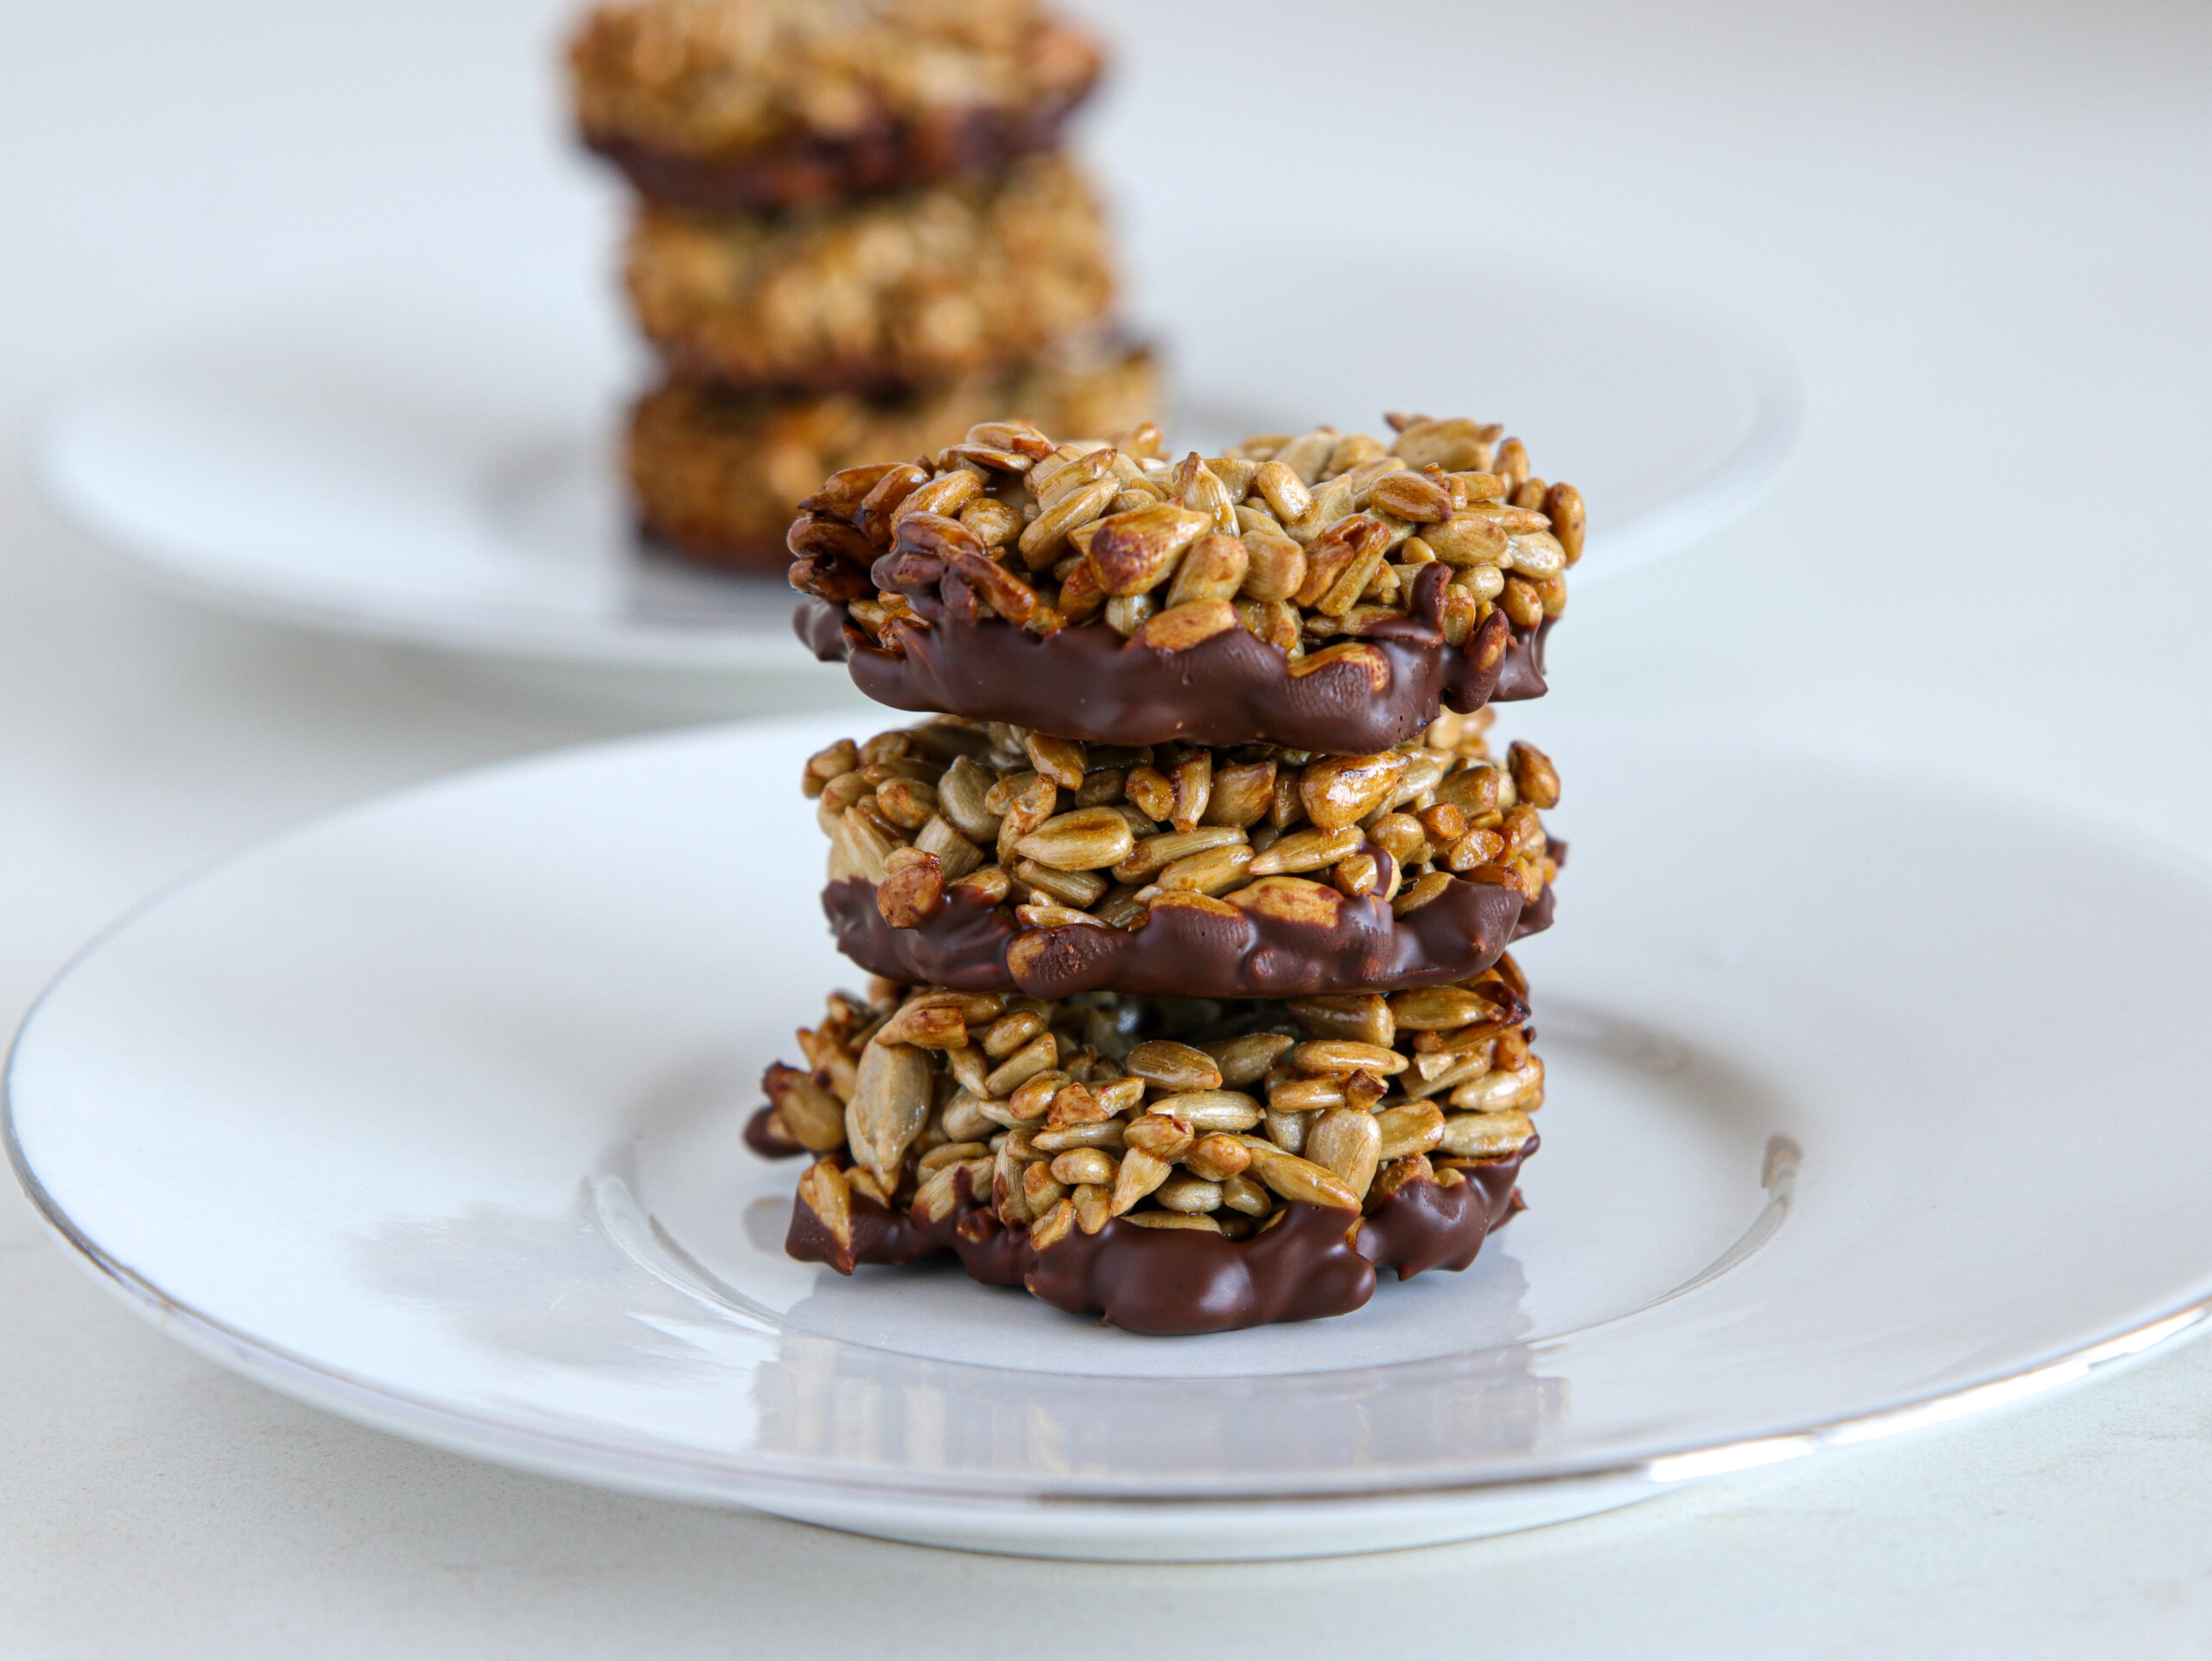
[[1983, 231]]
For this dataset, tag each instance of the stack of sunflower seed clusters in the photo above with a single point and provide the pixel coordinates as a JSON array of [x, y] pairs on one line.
[[855, 236], [1182, 1011]]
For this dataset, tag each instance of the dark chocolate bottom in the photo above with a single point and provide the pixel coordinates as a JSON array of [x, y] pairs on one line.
[[811, 168], [1316, 1262], [1086, 681], [1190, 954]]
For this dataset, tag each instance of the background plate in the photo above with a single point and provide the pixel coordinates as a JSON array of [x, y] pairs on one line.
[[429, 1113], [443, 475]]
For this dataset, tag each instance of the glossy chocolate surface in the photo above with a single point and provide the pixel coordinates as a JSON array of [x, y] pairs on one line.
[[1087, 681], [1315, 1263], [1190, 953]]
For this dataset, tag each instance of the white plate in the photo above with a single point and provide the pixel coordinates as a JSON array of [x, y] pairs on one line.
[[424, 473], [1889, 1108]]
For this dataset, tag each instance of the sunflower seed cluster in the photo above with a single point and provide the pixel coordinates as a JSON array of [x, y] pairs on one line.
[[856, 231], [1307, 540], [1175, 1113], [1070, 834], [1068, 1116]]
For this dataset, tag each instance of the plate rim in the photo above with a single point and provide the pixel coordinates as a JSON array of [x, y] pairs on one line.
[[637, 1465]]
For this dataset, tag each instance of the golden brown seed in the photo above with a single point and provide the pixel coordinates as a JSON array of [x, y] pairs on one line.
[[1427, 888], [1308, 850], [1274, 567], [1414, 496], [1171, 1219], [1084, 840], [1046, 538], [1534, 778], [1180, 627], [1140, 1171], [1107, 1135], [841, 758], [1290, 899], [1501, 1091], [1150, 793], [1012, 598], [1170, 1067], [1189, 1194], [1011, 1031], [873, 517], [1452, 445], [1060, 760], [1078, 889], [1363, 1017], [1240, 793], [1245, 1060], [825, 1191], [1438, 1009], [1344, 1056], [1153, 854], [1467, 541], [890, 1102], [1398, 835], [1242, 1193], [913, 892], [1133, 552], [1083, 1165], [991, 522], [946, 494], [1523, 606], [1563, 508], [1039, 1055], [1348, 1141], [1444, 823], [1413, 1129], [1338, 790], [1340, 562], [1285, 492], [1054, 1226], [1208, 1110], [1160, 1134], [1193, 779], [1299, 1095], [1093, 1206], [845, 490], [1217, 870], [1040, 1189], [1357, 877], [1485, 1136], [1476, 848], [955, 854], [815, 1118], [1212, 569], [1033, 1098], [1217, 1157], [1299, 1180], [1073, 1104], [930, 1023]]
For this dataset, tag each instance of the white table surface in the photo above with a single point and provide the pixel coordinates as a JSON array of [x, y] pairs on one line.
[[1982, 230]]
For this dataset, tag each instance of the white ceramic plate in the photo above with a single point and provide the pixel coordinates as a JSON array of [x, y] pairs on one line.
[[1890, 1109], [425, 473]]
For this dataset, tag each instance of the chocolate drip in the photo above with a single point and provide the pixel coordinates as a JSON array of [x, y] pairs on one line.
[[1087, 681], [880, 154], [765, 1135], [1190, 954], [1315, 1263]]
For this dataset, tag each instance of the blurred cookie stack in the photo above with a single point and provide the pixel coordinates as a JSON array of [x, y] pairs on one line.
[[855, 239]]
